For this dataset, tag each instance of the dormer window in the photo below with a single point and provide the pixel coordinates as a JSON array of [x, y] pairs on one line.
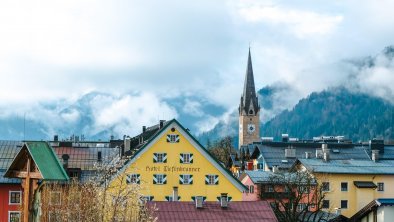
[[251, 112]]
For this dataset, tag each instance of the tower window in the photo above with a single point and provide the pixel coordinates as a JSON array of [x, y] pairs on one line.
[[250, 111]]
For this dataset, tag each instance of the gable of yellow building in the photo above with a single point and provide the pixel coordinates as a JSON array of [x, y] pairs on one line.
[[174, 158]]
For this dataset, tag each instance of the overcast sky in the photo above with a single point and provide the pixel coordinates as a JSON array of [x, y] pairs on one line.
[[59, 50]]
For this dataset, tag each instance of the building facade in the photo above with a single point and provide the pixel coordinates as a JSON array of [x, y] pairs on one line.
[[350, 185], [172, 165], [249, 109]]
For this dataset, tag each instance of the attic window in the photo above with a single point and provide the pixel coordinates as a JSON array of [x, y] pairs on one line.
[[172, 138], [335, 151]]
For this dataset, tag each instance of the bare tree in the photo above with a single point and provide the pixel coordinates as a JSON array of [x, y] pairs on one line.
[[295, 196], [107, 197], [222, 149]]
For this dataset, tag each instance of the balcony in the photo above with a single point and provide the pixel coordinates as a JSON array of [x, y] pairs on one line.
[[276, 195]]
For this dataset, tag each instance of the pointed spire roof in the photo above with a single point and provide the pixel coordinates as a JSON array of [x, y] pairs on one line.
[[249, 93]]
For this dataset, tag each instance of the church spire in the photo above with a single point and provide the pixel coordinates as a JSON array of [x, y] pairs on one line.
[[249, 102]]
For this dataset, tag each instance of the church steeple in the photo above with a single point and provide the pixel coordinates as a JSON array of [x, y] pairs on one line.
[[249, 109], [249, 103]]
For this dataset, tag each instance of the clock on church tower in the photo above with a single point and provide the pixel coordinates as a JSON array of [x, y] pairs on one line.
[[249, 109]]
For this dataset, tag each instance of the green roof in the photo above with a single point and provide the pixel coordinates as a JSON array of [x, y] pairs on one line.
[[45, 159]]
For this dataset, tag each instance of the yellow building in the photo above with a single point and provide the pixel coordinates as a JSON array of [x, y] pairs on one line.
[[350, 185], [174, 158]]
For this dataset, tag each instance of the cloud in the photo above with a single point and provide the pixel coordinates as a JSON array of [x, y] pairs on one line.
[[301, 22], [96, 115], [373, 75], [193, 108]]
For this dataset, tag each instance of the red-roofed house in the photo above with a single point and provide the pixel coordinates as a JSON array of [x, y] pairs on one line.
[[213, 211]]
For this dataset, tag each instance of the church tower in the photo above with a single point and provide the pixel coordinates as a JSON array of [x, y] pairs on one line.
[[249, 110]]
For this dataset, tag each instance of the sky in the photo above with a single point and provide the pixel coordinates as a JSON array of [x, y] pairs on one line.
[[141, 54]]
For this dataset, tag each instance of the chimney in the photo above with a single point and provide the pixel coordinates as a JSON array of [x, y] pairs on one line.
[[308, 155], [275, 169], [285, 138], [175, 194], [223, 200], [65, 158], [141, 139], [376, 144], [56, 138], [127, 143], [326, 155], [375, 155], [290, 152], [338, 211], [161, 124], [324, 146], [143, 129], [319, 153], [199, 202]]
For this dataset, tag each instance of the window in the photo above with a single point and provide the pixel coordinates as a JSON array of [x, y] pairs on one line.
[[326, 204], [301, 207], [247, 189], [344, 186], [15, 197], [303, 189], [326, 186], [55, 198], [251, 189], [269, 188], [211, 179], [160, 158], [159, 179], [343, 204], [172, 138], [185, 179], [186, 158], [14, 216], [380, 186], [133, 179]]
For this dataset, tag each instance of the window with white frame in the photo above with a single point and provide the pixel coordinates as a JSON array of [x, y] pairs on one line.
[[14, 216], [211, 179], [251, 189], [186, 158], [15, 197], [380, 186], [247, 189], [55, 198], [185, 179], [344, 186], [133, 178], [343, 204], [159, 179], [160, 157], [172, 138]]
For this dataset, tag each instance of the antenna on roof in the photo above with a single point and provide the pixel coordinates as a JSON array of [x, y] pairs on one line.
[[24, 126]]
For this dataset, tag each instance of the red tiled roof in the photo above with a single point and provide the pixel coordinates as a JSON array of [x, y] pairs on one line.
[[237, 211]]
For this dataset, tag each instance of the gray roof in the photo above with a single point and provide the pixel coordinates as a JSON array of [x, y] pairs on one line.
[[8, 150], [259, 175], [249, 93], [349, 166], [275, 155]]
